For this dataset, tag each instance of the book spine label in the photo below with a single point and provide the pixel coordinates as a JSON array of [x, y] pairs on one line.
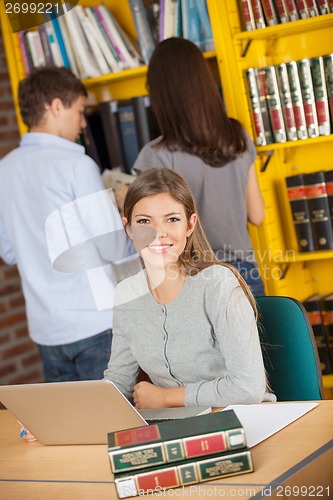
[[184, 474], [274, 105], [308, 97], [270, 14], [281, 7], [259, 130], [286, 102], [292, 10], [198, 446], [258, 14], [296, 97], [247, 14], [320, 94]]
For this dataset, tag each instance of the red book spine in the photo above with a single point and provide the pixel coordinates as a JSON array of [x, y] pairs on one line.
[[247, 14], [270, 13], [324, 7], [258, 14], [328, 69], [296, 97], [281, 7], [312, 7], [304, 70], [320, 94], [198, 446], [274, 105], [302, 9], [292, 10]]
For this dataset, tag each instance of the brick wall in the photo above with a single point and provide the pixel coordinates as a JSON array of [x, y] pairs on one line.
[[19, 358]]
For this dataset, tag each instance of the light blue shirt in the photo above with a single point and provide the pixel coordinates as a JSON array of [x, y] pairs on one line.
[[42, 177]]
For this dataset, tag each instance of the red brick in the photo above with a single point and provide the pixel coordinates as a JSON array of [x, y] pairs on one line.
[[12, 319], [4, 338], [10, 289], [34, 359], [10, 273], [2, 308], [32, 377], [21, 332], [15, 351], [17, 302], [7, 370]]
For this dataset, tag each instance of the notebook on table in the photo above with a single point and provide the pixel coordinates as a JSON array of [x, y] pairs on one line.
[[82, 412]]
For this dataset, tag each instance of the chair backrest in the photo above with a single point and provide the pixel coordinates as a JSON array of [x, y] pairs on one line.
[[289, 349]]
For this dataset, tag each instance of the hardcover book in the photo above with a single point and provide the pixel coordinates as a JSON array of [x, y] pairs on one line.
[[261, 86], [317, 199], [328, 68], [146, 125], [286, 102], [247, 15], [291, 9], [261, 138], [270, 13], [109, 115], [329, 189], [175, 440], [274, 105], [320, 94], [296, 97], [300, 212], [302, 9], [258, 14], [146, 39], [323, 6], [313, 307], [327, 315], [304, 70], [183, 473]]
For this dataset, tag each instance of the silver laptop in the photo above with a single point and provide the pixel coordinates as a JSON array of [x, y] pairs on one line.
[[63, 413]]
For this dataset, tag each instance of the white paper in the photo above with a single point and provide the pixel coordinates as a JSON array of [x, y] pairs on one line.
[[263, 420]]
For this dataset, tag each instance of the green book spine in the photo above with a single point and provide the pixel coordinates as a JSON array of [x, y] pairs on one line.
[[183, 474], [175, 440]]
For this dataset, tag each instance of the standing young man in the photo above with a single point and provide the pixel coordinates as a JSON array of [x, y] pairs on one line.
[[49, 171]]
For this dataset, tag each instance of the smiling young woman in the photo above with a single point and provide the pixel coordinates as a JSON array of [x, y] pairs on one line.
[[187, 320]]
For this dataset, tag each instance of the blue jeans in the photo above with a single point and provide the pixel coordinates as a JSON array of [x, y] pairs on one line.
[[251, 275], [82, 360]]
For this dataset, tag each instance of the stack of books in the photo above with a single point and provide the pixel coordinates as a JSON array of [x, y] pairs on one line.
[[178, 453]]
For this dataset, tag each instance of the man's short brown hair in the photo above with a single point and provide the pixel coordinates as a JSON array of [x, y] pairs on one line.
[[42, 86]]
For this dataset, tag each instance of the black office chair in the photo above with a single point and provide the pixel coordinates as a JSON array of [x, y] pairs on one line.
[[289, 349]]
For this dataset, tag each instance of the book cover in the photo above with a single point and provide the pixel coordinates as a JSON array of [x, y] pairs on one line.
[[259, 111], [145, 123], [286, 102], [258, 14], [129, 138], [312, 8], [270, 13], [247, 16], [170, 7], [320, 217], [313, 307], [329, 188], [175, 440], [97, 145], [207, 40], [323, 6], [300, 212], [146, 39], [261, 85], [69, 47], [45, 44], [110, 122], [60, 40], [191, 22], [183, 474], [291, 9], [24, 52], [296, 97], [54, 46], [36, 48], [327, 315], [274, 105], [304, 69], [320, 95]]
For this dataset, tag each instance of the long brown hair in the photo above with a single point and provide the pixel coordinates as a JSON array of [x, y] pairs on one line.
[[198, 253], [188, 107]]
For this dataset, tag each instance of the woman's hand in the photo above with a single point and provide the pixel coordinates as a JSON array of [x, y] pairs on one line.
[[25, 434], [147, 395]]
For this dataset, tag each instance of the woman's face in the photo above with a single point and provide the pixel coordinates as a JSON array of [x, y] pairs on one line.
[[159, 229]]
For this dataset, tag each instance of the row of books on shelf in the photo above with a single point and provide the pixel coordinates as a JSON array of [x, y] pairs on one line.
[[311, 202], [117, 130], [291, 101], [178, 453], [320, 312], [258, 14], [90, 41]]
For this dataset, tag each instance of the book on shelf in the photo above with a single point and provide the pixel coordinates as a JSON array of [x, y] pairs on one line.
[[312, 8], [207, 40], [320, 95], [300, 212], [109, 116], [286, 102], [313, 307], [139, 482], [281, 9], [36, 49], [328, 69], [60, 40], [259, 111], [297, 100], [94, 138], [320, 217], [145, 122], [274, 105], [128, 134], [153, 15], [178, 20], [170, 9], [329, 188], [247, 16], [302, 9], [68, 45], [291, 8], [175, 440], [304, 70], [258, 14], [270, 12], [191, 22], [327, 315], [145, 36], [323, 6], [54, 46]]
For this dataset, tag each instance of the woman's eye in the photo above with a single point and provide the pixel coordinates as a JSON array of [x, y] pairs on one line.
[[142, 221], [173, 219]]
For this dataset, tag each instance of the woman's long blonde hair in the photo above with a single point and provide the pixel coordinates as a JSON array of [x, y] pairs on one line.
[[197, 254]]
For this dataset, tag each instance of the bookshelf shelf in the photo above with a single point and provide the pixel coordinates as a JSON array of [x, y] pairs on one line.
[[291, 256], [295, 144], [287, 29]]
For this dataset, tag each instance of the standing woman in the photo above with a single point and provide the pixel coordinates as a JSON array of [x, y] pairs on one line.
[[211, 151], [187, 320]]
